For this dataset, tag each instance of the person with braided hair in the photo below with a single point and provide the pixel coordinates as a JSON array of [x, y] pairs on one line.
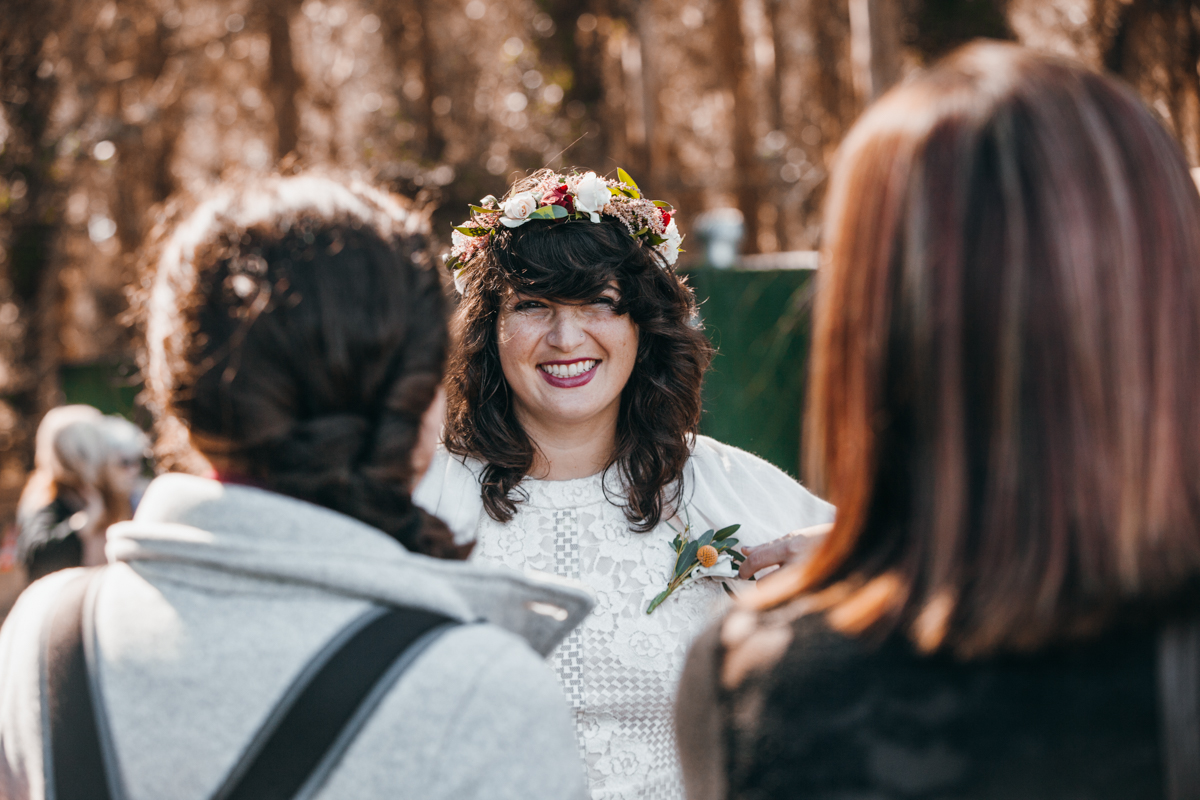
[[295, 339]]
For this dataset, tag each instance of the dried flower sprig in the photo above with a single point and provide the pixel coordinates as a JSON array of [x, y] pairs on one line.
[[711, 555]]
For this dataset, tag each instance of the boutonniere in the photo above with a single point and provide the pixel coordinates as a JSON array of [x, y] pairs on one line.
[[710, 556]]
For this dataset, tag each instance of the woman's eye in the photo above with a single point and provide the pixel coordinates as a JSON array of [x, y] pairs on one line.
[[528, 305], [604, 301]]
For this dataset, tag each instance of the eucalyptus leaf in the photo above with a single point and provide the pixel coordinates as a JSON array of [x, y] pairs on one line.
[[725, 533], [548, 212], [725, 545], [736, 556], [658, 600], [728, 591], [687, 558], [705, 539]]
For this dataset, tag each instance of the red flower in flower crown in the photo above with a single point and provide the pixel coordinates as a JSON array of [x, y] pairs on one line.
[[560, 197], [666, 215]]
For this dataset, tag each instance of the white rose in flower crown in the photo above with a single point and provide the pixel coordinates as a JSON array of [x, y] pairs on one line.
[[670, 248], [517, 209], [591, 195], [460, 283]]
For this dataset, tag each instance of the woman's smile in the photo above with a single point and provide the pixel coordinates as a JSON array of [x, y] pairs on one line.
[[569, 374]]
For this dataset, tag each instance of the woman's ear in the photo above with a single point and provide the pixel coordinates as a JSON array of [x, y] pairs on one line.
[[428, 436]]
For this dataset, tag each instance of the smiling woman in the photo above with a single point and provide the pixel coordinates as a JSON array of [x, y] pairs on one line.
[[571, 447]]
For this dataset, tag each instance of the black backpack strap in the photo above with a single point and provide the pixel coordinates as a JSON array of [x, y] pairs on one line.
[[302, 740], [1179, 704], [74, 759], [298, 745]]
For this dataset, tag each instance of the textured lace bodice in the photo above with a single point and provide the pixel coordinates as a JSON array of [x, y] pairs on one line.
[[619, 669]]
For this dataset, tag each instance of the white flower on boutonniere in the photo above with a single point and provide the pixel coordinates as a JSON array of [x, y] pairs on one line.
[[722, 568], [669, 249], [517, 209], [591, 195]]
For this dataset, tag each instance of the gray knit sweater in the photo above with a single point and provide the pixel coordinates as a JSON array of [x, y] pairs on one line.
[[220, 595]]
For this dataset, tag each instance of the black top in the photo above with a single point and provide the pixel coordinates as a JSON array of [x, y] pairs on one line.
[[48, 539], [836, 717]]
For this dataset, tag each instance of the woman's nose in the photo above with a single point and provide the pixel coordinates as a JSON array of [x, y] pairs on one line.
[[567, 331]]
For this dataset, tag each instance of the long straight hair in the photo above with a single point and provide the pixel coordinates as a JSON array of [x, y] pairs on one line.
[[1003, 400]]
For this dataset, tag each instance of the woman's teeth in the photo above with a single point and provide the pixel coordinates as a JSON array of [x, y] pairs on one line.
[[568, 370]]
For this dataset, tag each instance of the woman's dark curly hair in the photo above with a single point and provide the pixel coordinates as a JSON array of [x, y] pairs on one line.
[[660, 405], [296, 333]]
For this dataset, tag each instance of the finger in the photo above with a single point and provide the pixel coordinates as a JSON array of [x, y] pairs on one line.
[[762, 556]]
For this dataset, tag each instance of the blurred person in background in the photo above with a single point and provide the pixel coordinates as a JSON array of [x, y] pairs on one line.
[[86, 475], [1003, 408], [295, 340], [571, 447]]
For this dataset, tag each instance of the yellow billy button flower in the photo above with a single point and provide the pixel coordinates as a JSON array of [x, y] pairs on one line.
[[707, 555]]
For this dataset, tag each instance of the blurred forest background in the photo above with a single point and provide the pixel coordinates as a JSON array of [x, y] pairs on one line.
[[110, 107]]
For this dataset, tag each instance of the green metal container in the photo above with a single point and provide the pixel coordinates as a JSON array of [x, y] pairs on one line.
[[759, 321]]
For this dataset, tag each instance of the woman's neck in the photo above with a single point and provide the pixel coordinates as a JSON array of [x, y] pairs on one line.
[[563, 451]]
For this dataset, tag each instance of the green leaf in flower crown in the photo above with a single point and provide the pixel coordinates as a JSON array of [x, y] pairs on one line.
[[655, 240], [642, 232], [664, 204], [706, 538], [624, 178], [725, 533], [469, 231], [482, 210], [548, 212], [686, 558]]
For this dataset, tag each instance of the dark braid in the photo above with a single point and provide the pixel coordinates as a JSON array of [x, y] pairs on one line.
[[305, 347]]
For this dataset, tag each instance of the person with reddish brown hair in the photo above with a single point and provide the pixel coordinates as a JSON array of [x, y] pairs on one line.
[[1003, 409]]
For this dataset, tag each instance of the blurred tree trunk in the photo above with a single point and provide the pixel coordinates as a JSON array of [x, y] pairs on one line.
[[406, 29], [730, 41], [30, 90], [285, 81], [775, 21], [434, 144], [1155, 46], [580, 48], [874, 47]]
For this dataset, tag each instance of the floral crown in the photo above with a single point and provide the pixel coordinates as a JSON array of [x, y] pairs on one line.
[[569, 198]]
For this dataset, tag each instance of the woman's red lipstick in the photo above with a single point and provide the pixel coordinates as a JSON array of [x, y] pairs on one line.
[[564, 380]]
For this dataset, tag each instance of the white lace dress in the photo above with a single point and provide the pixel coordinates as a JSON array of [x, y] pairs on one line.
[[620, 667]]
